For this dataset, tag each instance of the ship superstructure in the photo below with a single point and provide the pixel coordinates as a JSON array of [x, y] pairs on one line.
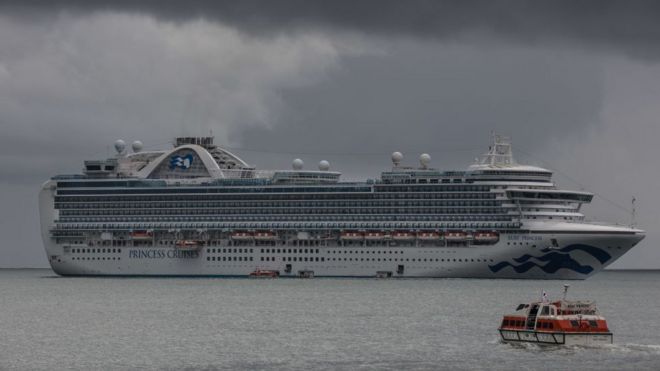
[[198, 209]]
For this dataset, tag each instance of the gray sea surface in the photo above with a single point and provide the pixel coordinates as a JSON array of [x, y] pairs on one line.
[[51, 323]]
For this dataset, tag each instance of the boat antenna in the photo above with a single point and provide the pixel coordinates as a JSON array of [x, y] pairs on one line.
[[633, 213], [566, 286]]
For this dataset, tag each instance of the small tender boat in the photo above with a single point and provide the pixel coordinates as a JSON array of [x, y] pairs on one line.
[[306, 274], [263, 273], [384, 274], [561, 322]]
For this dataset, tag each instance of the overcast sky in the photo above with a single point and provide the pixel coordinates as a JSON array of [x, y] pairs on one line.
[[576, 84]]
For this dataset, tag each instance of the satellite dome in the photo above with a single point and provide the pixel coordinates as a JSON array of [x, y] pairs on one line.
[[397, 157], [424, 160], [298, 164], [137, 146], [324, 165], [120, 146]]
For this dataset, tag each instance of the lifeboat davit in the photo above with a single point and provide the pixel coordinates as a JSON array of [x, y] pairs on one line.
[[263, 273], [188, 244], [456, 236], [428, 236], [241, 236], [486, 237], [403, 236], [561, 322], [265, 236], [351, 236]]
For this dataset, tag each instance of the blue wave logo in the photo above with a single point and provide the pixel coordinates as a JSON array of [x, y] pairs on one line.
[[182, 162], [556, 259]]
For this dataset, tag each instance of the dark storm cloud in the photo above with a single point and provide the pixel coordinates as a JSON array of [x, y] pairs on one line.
[[440, 100], [343, 81], [629, 27]]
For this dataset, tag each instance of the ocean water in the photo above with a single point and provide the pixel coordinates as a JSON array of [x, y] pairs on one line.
[[50, 323]]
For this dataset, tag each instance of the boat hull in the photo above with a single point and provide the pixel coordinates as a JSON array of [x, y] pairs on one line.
[[579, 257], [557, 338]]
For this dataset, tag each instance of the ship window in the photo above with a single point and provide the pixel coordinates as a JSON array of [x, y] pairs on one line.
[[550, 325], [575, 323], [593, 323]]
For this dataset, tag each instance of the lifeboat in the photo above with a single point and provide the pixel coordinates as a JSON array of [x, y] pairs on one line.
[[403, 236], [561, 322], [142, 235], [486, 237], [305, 274], [265, 236], [263, 273], [241, 236], [456, 236], [351, 236], [188, 244], [376, 236], [428, 236]]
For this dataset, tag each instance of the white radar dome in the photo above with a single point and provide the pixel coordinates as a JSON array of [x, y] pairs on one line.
[[298, 164], [120, 146], [137, 146], [324, 165], [424, 160], [397, 157]]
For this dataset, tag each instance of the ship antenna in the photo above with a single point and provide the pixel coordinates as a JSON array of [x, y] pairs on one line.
[[633, 213], [566, 286]]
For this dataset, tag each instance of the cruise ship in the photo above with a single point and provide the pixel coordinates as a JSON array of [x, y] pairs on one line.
[[199, 210]]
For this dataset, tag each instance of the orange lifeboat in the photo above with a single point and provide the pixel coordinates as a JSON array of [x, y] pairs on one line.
[[351, 236], [486, 237], [403, 236], [265, 236], [456, 236], [142, 235], [188, 244], [241, 236], [428, 236], [376, 236]]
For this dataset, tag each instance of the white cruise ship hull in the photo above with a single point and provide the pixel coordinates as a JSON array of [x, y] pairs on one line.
[[516, 256]]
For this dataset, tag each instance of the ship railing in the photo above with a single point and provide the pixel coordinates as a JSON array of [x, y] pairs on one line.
[[247, 173]]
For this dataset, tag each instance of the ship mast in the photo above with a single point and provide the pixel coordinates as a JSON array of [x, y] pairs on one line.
[[633, 213]]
